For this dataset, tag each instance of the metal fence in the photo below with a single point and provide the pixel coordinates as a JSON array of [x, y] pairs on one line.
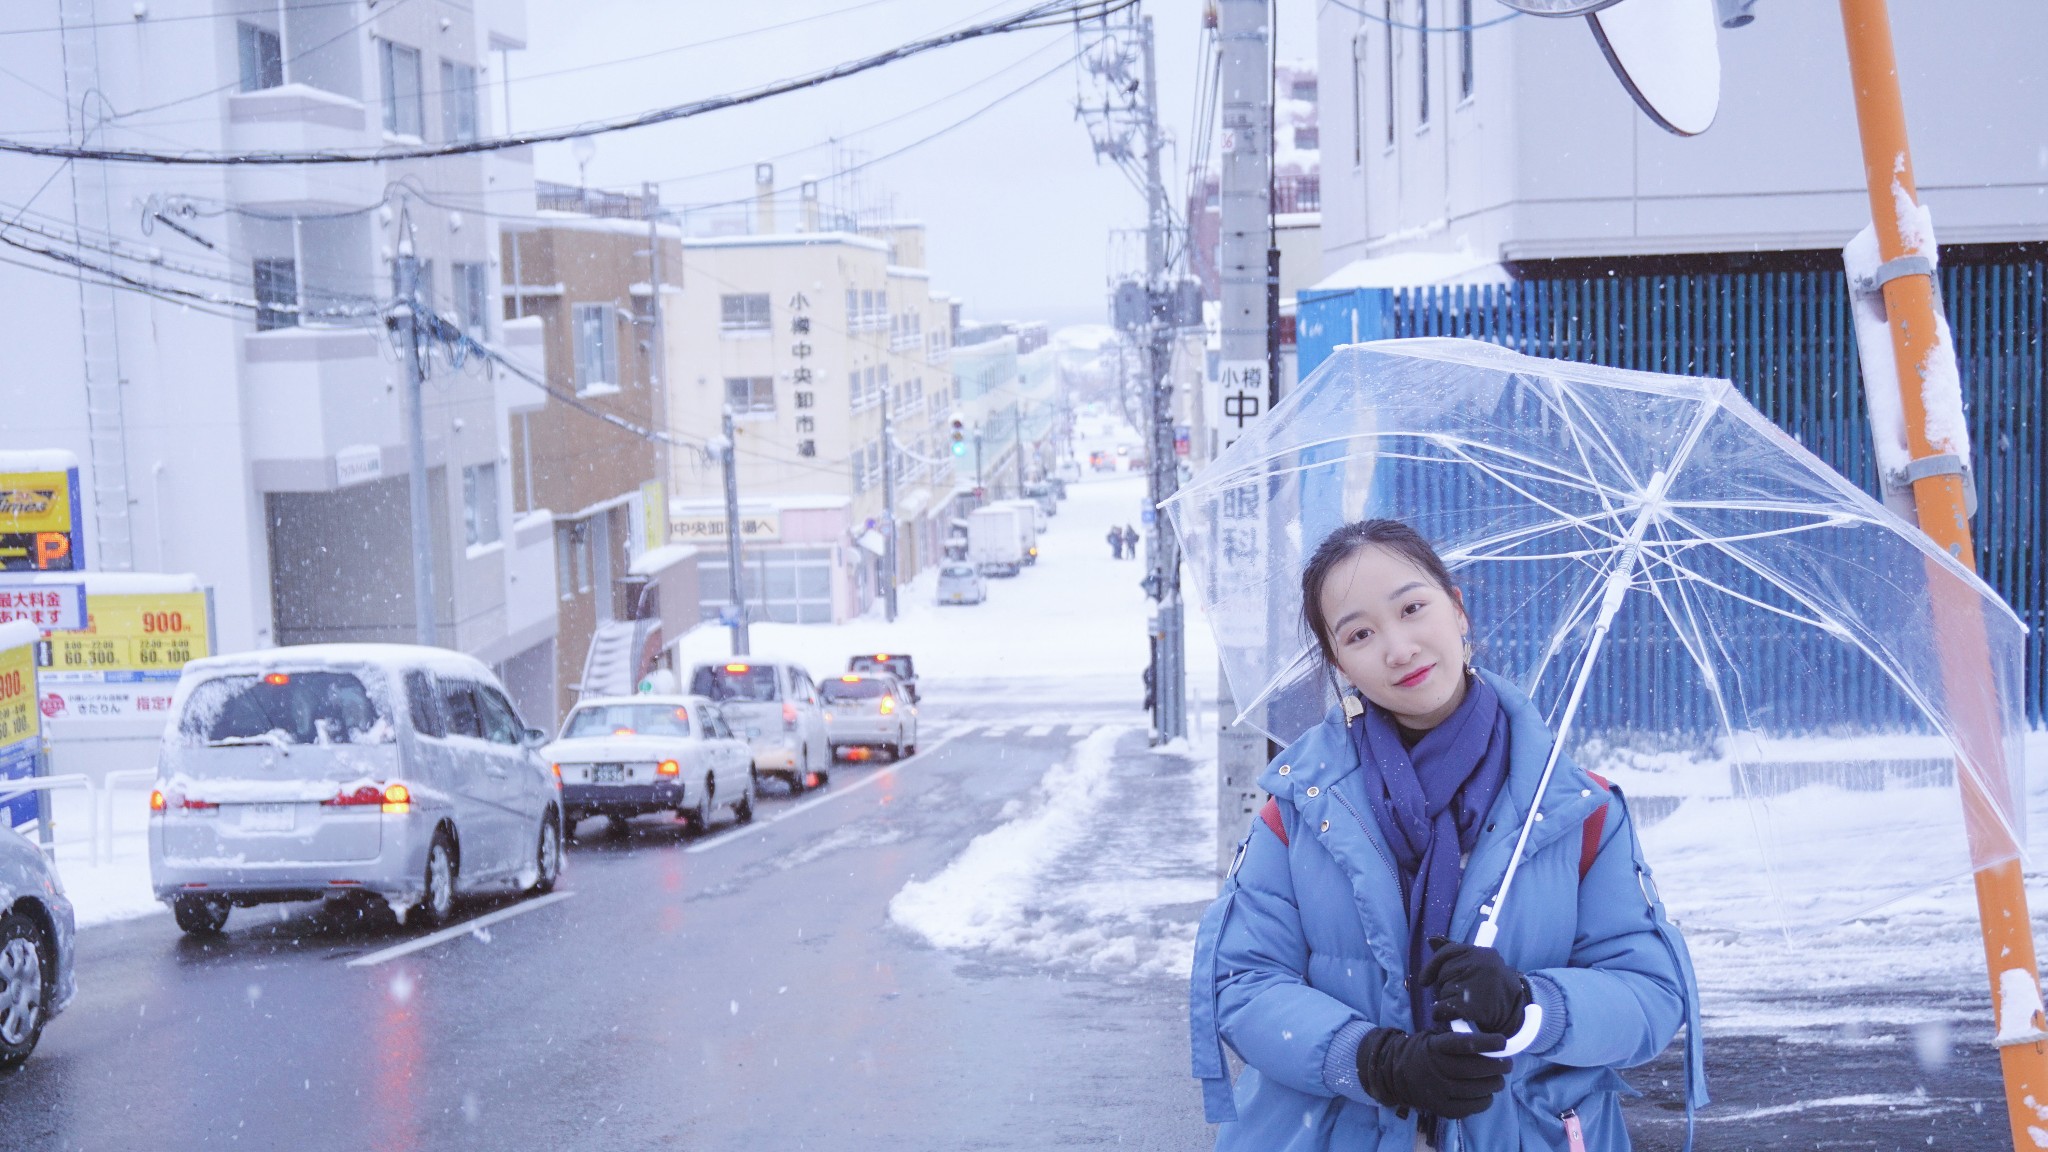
[[1787, 341]]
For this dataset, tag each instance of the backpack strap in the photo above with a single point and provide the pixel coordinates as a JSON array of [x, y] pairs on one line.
[[1271, 815], [1589, 832]]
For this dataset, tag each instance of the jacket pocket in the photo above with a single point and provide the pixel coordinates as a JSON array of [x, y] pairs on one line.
[[1572, 1110]]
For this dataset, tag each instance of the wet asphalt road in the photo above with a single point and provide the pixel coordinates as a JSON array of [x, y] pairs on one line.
[[746, 990], [740, 990]]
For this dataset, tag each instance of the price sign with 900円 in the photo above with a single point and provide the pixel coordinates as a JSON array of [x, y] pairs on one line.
[[126, 662]]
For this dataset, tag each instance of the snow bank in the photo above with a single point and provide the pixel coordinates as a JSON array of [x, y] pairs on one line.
[[1941, 388]]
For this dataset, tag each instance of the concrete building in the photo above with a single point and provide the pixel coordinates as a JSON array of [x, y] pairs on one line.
[[1507, 149], [224, 373], [802, 333], [587, 280]]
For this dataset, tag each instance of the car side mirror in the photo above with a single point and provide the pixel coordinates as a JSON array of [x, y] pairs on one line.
[[535, 737]]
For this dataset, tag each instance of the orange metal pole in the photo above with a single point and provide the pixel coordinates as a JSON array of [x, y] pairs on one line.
[[1940, 501]]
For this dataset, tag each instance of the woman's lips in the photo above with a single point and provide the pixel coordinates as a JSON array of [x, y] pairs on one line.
[[1415, 677]]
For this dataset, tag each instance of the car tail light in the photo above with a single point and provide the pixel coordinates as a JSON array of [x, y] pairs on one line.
[[391, 798], [849, 679], [668, 768], [199, 805], [788, 716], [888, 705], [397, 798], [736, 668], [156, 801], [558, 770]]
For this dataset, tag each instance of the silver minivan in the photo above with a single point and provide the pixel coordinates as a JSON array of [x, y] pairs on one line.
[[772, 705], [341, 770]]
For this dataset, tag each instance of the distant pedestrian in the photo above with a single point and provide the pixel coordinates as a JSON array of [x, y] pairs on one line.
[[1130, 542], [1116, 543]]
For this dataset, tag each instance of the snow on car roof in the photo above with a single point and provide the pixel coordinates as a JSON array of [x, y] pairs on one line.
[[385, 657], [682, 698]]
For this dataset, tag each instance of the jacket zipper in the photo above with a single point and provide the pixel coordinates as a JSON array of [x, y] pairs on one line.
[[1376, 849], [1574, 1132]]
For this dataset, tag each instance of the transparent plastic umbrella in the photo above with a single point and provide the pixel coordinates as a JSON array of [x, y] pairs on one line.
[[1783, 676]]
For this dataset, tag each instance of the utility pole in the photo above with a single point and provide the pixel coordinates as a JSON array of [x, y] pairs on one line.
[[1245, 189], [650, 201], [980, 485], [888, 511], [1017, 428], [1940, 499], [406, 317], [1169, 711], [736, 598]]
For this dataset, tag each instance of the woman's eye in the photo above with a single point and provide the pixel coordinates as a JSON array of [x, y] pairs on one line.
[[1412, 609], [1360, 635]]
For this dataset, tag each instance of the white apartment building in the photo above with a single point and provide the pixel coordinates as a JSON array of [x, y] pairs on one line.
[[803, 334], [241, 418], [1448, 155]]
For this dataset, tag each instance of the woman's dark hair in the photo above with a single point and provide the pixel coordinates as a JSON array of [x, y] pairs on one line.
[[1345, 543]]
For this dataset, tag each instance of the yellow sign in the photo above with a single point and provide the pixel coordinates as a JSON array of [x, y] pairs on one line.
[[19, 720], [35, 502], [139, 632], [654, 514]]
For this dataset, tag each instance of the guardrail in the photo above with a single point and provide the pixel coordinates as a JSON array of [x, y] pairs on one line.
[[119, 780], [9, 789]]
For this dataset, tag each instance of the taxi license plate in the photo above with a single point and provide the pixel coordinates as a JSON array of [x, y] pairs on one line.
[[268, 817], [608, 774]]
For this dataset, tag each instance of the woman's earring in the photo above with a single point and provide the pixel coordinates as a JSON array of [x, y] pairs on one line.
[[1468, 654], [1353, 706]]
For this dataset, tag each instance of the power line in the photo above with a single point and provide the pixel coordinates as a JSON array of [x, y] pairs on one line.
[[1042, 15], [146, 21]]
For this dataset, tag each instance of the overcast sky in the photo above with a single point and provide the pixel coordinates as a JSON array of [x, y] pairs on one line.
[[1018, 213]]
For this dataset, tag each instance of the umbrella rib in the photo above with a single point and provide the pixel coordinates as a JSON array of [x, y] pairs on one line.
[[1685, 573], [1690, 632], [1562, 480], [1587, 598], [1560, 513], [1837, 514], [1579, 444]]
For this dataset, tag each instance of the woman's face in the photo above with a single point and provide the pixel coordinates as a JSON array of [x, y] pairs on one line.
[[1397, 636]]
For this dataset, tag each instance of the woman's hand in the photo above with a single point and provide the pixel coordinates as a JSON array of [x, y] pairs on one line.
[[1475, 985], [1445, 1074]]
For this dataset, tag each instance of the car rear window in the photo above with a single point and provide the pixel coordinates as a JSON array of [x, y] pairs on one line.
[[898, 666], [958, 571], [628, 720], [284, 707], [749, 683], [858, 688]]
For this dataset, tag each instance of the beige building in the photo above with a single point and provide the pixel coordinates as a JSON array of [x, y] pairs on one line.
[[804, 335]]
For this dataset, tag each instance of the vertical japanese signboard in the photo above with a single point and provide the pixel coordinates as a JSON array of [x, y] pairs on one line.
[[41, 518], [804, 395], [21, 731], [125, 664], [1237, 400]]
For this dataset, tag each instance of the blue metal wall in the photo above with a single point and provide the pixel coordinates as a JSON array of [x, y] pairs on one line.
[[1786, 340]]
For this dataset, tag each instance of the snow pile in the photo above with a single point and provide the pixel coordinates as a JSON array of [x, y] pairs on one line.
[[1941, 388], [1103, 870]]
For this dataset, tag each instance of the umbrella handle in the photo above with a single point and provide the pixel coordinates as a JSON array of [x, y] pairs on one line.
[[1532, 1015]]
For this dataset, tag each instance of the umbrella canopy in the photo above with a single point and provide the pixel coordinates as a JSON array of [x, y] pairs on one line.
[[1783, 676]]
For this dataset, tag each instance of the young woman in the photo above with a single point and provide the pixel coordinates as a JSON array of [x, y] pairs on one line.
[[1334, 961]]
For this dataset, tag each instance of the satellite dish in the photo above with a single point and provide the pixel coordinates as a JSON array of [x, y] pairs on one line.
[[1559, 7], [1667, 54]]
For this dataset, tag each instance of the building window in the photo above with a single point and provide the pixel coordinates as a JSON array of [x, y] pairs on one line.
[[743, 312], [480, 504], [565, 573], [458, 102], [750, 394], [1421, 63], [1304, 88], [262, 57], [597, 349], [404, 105], [472, 288], [277, 294], [1464, 49], [1307, 139], [1387, 10], [852, 308]]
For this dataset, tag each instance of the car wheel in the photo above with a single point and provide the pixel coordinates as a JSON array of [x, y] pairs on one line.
[[743, 808], [200, 915], [754, 777], [796, 777], [547, 862], [699, 817], [439, 883], [569, 823], [25, 986]]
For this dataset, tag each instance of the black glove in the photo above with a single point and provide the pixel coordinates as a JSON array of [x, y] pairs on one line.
[[1441, 1073], [1475, 984]]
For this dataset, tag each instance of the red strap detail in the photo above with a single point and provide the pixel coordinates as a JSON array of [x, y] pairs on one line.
[[1589, 832], [1271, 815]]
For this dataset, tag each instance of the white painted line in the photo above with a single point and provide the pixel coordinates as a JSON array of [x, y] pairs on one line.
[[1040, 730], [997, 732], [462, 929], [737, 835]]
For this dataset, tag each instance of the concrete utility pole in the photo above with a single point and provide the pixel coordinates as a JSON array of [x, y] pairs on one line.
[[1941, 500], [1017, 435], [650, 201], [888, 512], [1169, 710], [406, 316], [736, 598], [1245, 187]]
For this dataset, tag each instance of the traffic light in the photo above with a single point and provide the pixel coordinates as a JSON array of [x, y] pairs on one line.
[[959, 436]]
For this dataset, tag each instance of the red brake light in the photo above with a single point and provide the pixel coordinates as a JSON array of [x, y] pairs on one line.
[[367, 794], [736, 667], [888, 705], [668, 768], [278, 678], [156, 801], [188, 802], [622, 732]]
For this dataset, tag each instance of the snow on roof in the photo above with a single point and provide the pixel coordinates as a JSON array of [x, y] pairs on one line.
[[1413, 269], [385, 657], [577, 222], [798, 239], [655, 559], [124, 583], [18, 634], [37, 460]]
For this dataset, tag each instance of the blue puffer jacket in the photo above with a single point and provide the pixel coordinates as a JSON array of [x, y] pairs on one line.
[[1306, 948]]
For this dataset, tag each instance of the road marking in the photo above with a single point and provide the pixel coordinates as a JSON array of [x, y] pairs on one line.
[[462, 929], [1040, 730], [736, 835], [997, 732]]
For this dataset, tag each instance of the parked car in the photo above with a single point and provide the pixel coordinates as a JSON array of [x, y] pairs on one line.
[[896, 664], [351, 770], [773, 705], [870, 710], [961, 584], [37, 932], [624, 756], [1043, 494]]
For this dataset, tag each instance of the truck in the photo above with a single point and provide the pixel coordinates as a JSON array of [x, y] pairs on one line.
[[1031, 523], [995, 545]]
